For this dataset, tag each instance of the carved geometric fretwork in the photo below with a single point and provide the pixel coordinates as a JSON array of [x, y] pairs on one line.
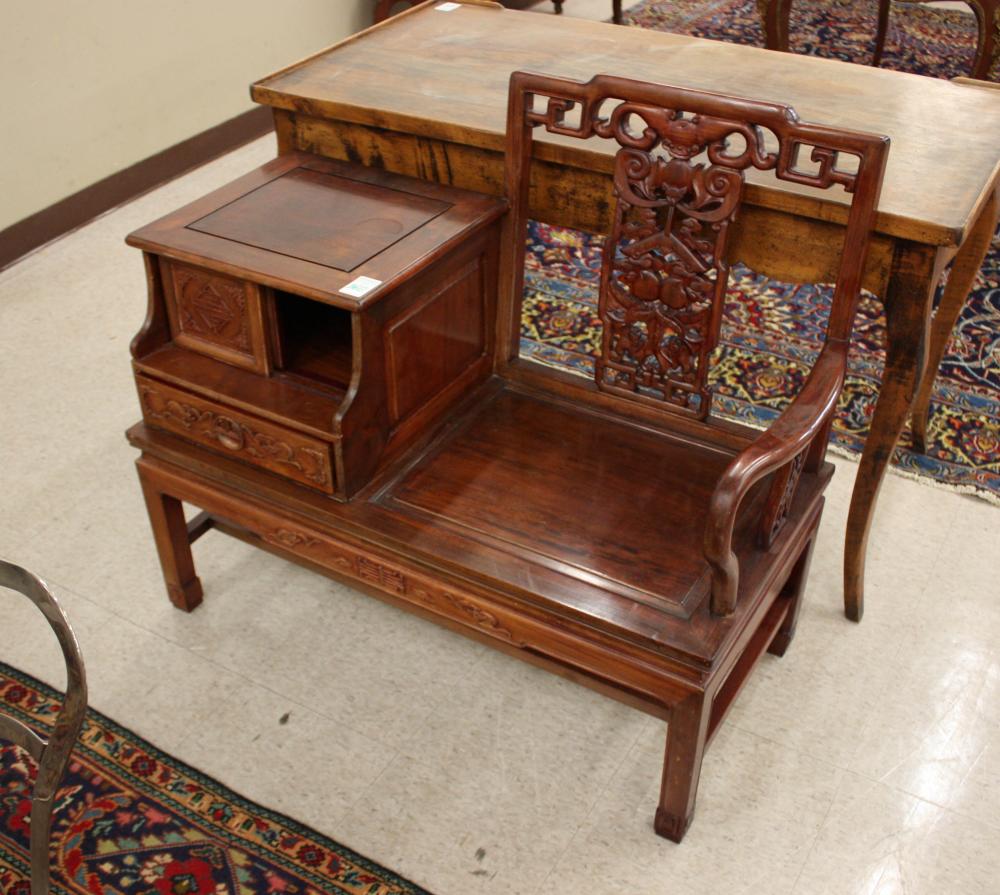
[[382, 576], [212, 308]]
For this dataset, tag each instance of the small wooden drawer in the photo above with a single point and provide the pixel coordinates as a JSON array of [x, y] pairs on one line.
[[289, 454], [217, 315]]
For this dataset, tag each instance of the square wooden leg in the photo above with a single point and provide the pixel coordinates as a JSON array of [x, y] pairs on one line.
[[792, 590], [166, 515], [687, 733]]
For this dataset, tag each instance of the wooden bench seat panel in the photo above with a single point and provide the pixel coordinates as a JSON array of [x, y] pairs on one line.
[[557, 485]]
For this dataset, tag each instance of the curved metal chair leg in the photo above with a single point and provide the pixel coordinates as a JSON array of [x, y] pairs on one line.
[[41, 829], [52, 755]]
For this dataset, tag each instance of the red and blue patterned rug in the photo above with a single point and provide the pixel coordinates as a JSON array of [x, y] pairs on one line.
[[132, 820], [923, 40], [772, 331]]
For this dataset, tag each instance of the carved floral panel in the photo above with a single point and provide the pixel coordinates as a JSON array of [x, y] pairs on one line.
[[678, 183]]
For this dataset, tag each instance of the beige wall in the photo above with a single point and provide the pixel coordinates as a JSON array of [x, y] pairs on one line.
[[91, 88]]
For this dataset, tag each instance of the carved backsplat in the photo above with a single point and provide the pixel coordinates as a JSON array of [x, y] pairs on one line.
[[678, 184], [664, 276]]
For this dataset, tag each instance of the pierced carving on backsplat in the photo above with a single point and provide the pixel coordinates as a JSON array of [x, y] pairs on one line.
[[664, 277], [678, 183], [780, 497]]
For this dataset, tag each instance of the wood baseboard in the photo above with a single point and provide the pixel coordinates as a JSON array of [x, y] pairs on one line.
[[81, 207]]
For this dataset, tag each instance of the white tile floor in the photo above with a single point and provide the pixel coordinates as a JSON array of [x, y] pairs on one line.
[[865, 761]]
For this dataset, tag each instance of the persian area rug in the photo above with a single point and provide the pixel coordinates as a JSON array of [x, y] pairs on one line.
[[131, 819], [922, 40], [772, 332]]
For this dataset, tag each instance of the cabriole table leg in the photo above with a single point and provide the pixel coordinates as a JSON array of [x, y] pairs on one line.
[[963, 274], [916, 270]]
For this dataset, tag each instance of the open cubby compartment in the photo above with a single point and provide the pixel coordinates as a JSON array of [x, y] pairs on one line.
[[312, 340]]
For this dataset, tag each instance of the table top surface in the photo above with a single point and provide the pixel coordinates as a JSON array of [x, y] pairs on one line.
[[445, 75]]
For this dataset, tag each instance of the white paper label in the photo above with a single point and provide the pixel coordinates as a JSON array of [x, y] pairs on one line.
[[361, 286], [447, 7]]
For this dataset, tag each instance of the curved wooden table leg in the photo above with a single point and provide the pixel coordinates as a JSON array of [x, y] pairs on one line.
[[916, 270], [988, 46], [774, 16], [883, 30], [967, 263], [616, 11]]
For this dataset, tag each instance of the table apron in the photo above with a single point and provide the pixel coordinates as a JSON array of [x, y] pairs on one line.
[[776, 243]]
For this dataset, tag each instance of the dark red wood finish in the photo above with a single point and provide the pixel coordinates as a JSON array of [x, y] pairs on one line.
[[608, 530]]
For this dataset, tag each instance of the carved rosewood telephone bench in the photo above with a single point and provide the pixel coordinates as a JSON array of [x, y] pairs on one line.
[[329, 370]]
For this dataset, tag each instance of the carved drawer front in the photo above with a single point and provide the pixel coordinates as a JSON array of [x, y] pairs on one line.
[[268, 446], [216, 315]]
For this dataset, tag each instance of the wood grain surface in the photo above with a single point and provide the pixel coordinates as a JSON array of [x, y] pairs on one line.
[[450, 71]]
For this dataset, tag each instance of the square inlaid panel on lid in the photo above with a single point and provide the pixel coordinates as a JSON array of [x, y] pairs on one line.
[[315, 226], [324, 218]]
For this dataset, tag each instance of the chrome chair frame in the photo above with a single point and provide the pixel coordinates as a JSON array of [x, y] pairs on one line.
[[52, 755]]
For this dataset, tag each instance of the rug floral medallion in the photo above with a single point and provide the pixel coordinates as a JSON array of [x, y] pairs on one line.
[[132, 820], [772, 332]]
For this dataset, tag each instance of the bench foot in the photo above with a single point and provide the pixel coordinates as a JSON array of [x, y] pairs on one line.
[[173, 544], [687, 734]]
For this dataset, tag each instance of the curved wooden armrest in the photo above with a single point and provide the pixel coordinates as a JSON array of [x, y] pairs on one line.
[[790, 434]]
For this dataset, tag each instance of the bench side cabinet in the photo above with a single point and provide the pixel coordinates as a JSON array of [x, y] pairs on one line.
[[312, 318]]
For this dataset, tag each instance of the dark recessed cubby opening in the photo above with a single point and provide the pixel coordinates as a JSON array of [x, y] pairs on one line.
[[314, 339]]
